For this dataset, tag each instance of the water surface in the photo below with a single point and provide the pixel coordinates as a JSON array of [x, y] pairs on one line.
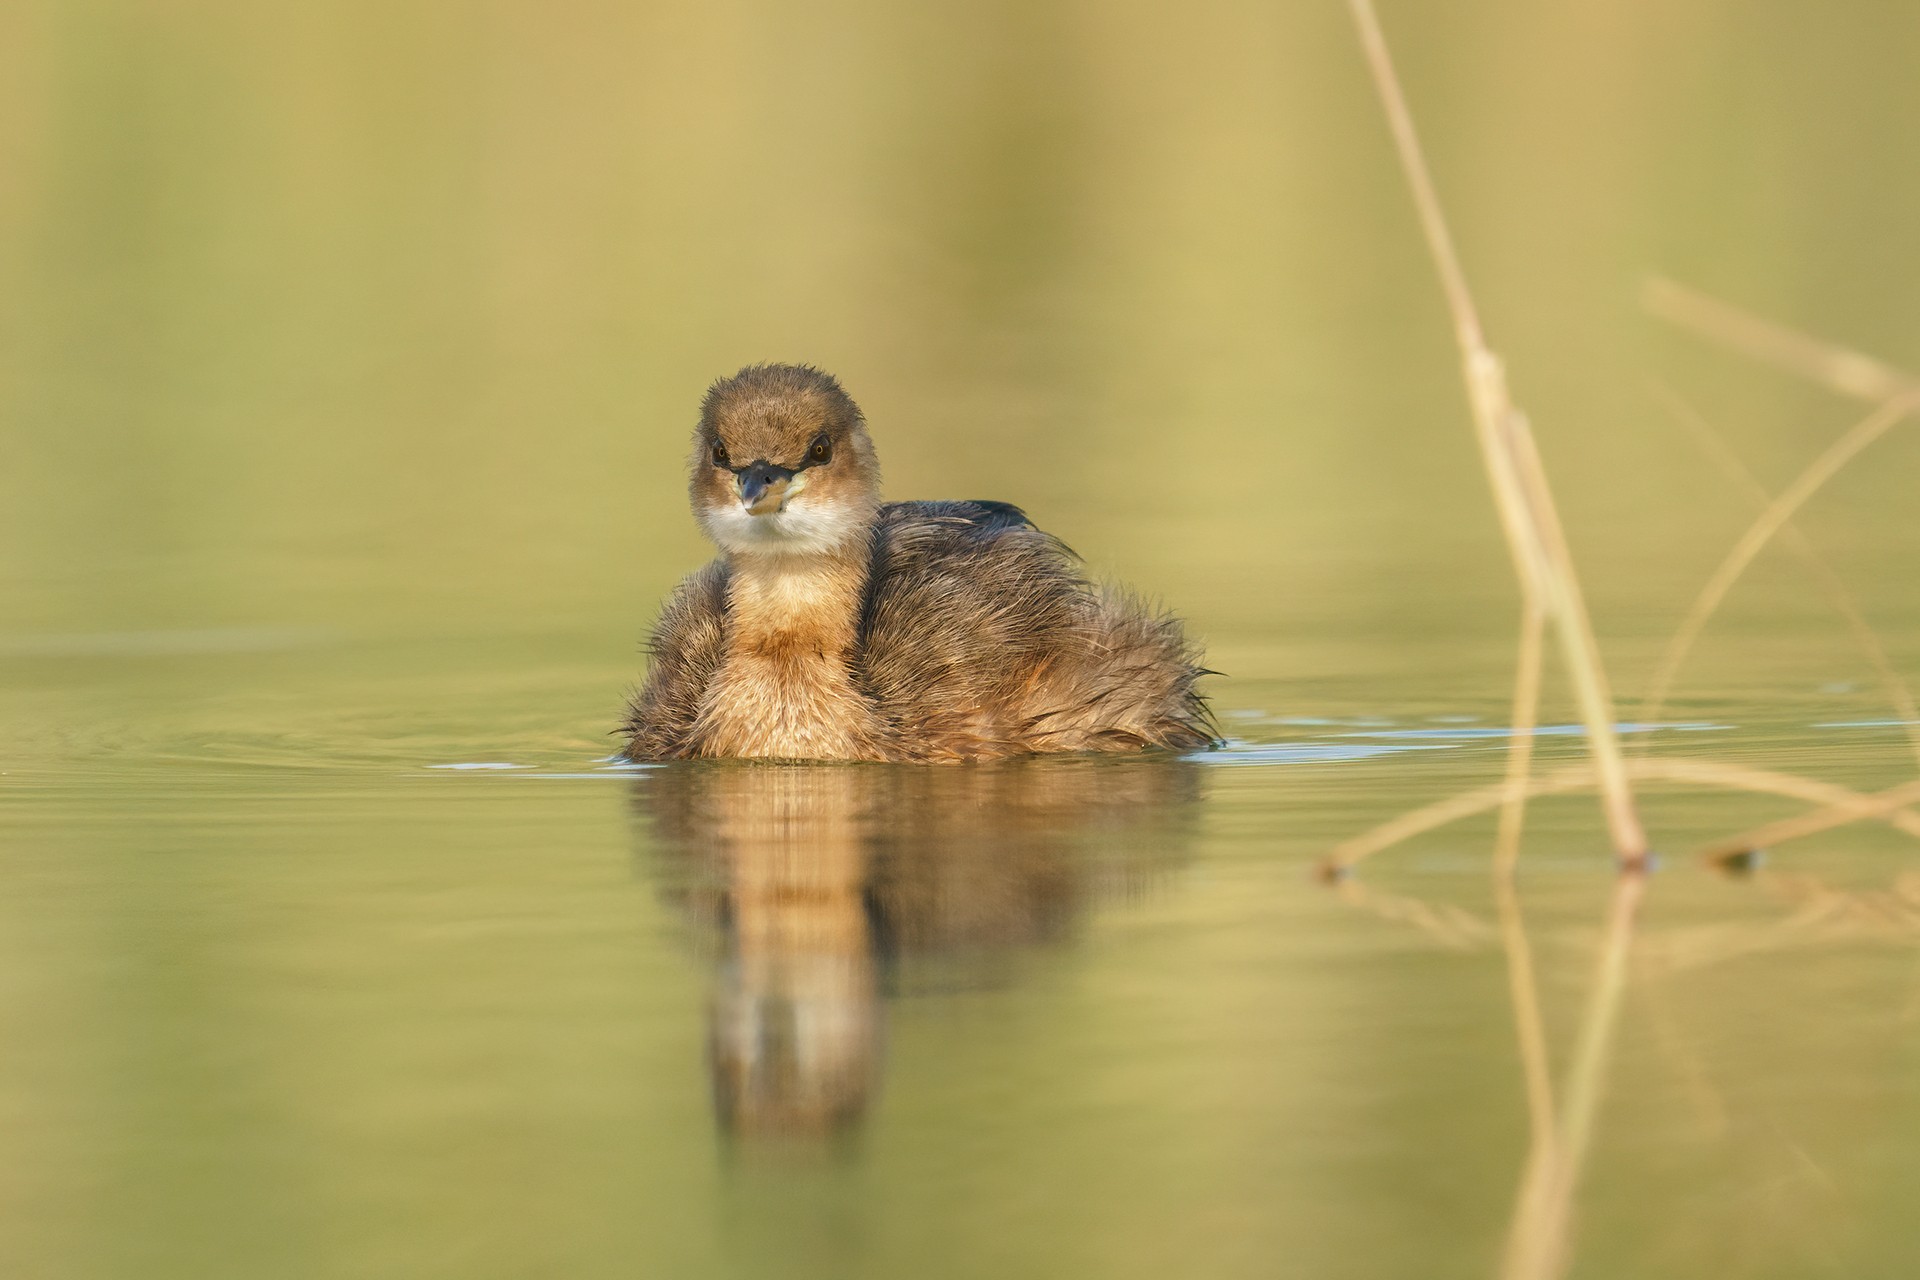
[[349, 361]]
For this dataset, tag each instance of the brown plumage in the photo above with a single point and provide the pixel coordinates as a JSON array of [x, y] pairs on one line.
[[833, 627]]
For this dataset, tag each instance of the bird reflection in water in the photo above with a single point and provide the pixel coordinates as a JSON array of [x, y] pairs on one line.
[[830, 887]]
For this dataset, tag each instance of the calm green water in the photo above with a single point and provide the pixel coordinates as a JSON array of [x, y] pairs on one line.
[[347, 358]]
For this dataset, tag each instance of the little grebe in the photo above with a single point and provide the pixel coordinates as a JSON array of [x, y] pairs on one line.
[[836, 627]]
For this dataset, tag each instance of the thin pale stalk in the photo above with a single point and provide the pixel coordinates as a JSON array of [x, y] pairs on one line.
[[1880, 805], [1538, 1243], [1758, 534], [1582, 654], [1525, 1230], [1529, 1027], [1519, 484], [1711, 443], [1586, 1078], [1522, 985], [1449, 926], [1705, 773], [1426, 201], [1832, 366], [1526, 708]]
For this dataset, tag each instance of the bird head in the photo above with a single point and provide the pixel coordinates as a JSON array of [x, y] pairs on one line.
[[782, 463]]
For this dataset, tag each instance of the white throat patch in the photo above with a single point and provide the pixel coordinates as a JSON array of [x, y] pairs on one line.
[[800, 529]]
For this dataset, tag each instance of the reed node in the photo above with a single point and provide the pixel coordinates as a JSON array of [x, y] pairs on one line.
[[1563, 1120], [1521, 493]]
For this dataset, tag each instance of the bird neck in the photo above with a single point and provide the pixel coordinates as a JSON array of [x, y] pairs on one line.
[[797, 605], [786, 688]]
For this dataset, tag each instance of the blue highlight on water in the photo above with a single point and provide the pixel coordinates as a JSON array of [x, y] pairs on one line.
[[1359, 738]]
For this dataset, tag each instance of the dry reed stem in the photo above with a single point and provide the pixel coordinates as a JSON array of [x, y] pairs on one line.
[[1451, 927], [1820, 914], [1889, 912], [1879, 805], [1758, 534], [1521, 493], [1706, 773], [1581, 652], [1834, 367], [1540, 1236], [1836, 591], [1526, 708], [1522, 983], [1536, 1067]]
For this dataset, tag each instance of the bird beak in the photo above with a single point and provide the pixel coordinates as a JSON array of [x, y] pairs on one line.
[[763, 488]]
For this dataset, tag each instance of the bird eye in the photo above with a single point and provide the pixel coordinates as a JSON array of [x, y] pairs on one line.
[[821, 449], [720, 458]]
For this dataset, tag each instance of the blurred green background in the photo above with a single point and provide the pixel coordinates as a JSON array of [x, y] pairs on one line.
[[348, 359], [399, 313]]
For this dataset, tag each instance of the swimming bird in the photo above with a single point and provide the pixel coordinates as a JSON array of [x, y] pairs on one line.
[[833, 626]]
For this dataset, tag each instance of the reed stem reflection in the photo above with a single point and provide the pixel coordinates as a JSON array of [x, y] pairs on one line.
[[829, 887]]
